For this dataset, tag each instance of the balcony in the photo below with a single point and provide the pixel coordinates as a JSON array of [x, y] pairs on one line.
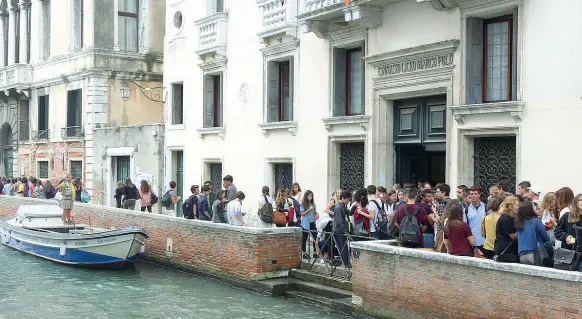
[[212, 34], [323, 16], [72, 132], [23, 131], [278, 18], [17, 76], [40, 135]]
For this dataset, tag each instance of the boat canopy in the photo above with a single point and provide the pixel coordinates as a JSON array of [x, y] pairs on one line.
[[39, 211]]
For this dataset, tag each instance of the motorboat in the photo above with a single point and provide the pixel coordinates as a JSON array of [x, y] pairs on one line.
[[39, 230]]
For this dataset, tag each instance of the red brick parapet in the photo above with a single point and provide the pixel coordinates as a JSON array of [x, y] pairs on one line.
[[395, 282], [220, 250]]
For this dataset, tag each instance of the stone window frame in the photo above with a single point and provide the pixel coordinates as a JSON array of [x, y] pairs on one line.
[[280, 52], [211, 68], [270, 171], [174, 106], [514, 107], [205, 169], [345, 39], [43, 160], [142, 24], [84, 172], [334, 161]]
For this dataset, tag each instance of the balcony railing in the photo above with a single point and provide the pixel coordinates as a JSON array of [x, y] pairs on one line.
[[72, 132], [278, 18], [40, 135], [15, 75], [23, 131], [212, 34]]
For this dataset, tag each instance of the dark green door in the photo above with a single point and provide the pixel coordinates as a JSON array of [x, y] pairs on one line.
[[122, 168], [180, 180], [8, 161]]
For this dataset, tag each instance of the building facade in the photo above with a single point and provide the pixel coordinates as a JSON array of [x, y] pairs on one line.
[[62, 66], [375, 92]]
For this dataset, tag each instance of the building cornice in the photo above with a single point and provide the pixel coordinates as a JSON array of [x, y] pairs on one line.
[[286, 47]]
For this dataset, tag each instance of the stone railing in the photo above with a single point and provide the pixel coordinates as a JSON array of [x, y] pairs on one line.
[[212, 34], [15, 75], [277, 16]]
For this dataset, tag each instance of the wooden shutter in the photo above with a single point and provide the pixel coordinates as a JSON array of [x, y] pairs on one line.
[[46, 24], [79, 107], [71, 108], [339, 82], [273, 92], [474, 89], [219, 5], [208, 101], [177, 106], [289, 109], [220, 95], [514, 38]]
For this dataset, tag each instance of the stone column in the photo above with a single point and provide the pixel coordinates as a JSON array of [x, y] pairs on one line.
[[3, 17], [12, 36], [115, 25], [24, 7], [35, 28]]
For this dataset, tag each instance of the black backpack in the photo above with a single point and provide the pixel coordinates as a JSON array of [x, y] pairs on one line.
[[297, 208], [381, 219], [410, 227], [266, 213], [166, 199], [188, 207]]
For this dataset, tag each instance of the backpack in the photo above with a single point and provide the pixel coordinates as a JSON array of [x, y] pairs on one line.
[[362, 224], [153, 199], [188, 208], [410, 227], [381, 220], [296, 209], [266, 213], [166, 200]]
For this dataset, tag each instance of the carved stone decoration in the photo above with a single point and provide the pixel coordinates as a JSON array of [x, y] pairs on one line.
[[243, 94], [513, 108]]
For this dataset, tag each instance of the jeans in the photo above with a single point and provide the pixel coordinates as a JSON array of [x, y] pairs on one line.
[[129, 204], [313, 232], [340, 241], [527, 259], [149, 208], [428, 240]]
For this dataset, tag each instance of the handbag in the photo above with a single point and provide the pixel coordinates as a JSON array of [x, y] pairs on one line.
[[279, 218], [85, 197], [506, 258], [440, 242], [566, 259]]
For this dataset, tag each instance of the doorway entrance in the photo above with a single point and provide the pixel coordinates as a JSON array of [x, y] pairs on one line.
[[420, 139]]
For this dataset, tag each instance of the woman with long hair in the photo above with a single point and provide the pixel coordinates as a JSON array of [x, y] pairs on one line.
[[39, 190], [49, 190], [130, 194], [145, 196], [218, 215], [296, 192], [564, 197], [363, 219], [78, 189], [529, 229], [458, 236], [546, 208], [566, 231], [331, 204], [118, 194], [308, 214], [505, 246]]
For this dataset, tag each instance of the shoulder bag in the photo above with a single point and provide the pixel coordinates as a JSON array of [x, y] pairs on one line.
[[567, 259]]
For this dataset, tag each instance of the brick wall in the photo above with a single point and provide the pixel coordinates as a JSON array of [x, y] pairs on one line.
[[395, 282], [29, 154], [239, 253]]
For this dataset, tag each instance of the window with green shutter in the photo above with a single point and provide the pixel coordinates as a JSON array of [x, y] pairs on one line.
[[177, 103], [213, 95], [348, 81], [280, 91]]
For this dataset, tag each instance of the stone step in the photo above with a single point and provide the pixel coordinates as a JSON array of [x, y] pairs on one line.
[[343, 305], [335, 282], [322, 290]]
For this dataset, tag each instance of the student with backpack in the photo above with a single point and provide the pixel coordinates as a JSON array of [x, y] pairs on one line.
[[266, 208], [169, 200], [191, 205], [377, 208], [411, 221]]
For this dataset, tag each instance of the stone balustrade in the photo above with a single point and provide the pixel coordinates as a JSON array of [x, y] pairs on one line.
[[212, 34], [15, 75], [278, 17]]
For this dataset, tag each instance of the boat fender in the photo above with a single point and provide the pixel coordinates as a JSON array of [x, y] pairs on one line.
[[142, 249], [8, 236], [63, 248]]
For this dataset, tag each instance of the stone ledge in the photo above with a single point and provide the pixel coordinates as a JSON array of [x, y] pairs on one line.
[[385, 247], [290, 126], [362, 120], [513, 108], [207, 131]]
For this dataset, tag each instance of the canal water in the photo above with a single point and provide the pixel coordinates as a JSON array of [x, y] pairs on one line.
[[31, 287]]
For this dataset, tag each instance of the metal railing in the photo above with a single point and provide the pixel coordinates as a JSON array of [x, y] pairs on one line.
[[71, 132], [40, 135], [332, 251]]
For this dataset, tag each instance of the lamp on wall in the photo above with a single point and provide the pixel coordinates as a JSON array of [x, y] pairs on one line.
[[153, 94]]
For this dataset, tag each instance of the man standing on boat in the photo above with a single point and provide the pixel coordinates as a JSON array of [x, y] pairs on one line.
[[68, 190]]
